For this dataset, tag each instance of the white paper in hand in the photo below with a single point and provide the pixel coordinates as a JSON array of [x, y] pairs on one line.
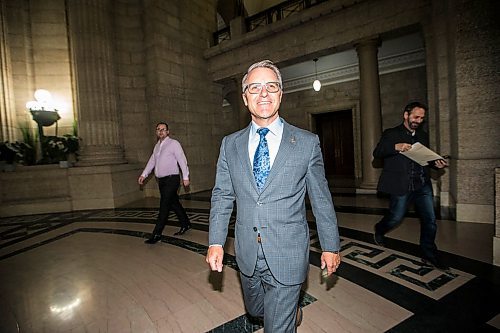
[[421, 154]]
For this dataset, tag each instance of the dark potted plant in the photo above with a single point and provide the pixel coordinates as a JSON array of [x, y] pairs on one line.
[[29, 146], [59, 148], [72, 145], [9, 155]]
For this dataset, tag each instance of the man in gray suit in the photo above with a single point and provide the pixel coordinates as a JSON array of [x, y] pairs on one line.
[[267, 169]]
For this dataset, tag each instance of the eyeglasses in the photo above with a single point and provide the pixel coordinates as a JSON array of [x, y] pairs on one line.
[[161, 130], [256, 88]]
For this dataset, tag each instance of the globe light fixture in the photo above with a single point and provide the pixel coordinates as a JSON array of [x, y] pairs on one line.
[[316, 83], [43, 101]]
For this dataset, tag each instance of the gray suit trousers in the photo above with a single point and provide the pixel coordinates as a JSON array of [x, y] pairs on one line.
[[261, 290]]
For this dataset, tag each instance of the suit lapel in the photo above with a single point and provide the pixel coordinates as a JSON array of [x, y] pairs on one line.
[[241, 147]]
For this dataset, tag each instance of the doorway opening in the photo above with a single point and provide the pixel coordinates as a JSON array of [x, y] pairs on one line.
[[335, 132]]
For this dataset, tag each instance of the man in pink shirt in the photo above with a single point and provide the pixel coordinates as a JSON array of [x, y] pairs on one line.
[[166, 159]]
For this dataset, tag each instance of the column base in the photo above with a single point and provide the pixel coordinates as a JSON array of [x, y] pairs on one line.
[[368, 185], [366, 191]]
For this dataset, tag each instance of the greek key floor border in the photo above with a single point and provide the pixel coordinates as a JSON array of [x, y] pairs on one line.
[[397, 267], [440, 301]]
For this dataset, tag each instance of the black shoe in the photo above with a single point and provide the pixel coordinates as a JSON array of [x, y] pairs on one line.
[[183, 230], [435, 262], [379, 239], [153, 239], [298, 319]]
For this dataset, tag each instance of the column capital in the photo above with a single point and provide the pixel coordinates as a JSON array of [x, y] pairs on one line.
[[373, 41]]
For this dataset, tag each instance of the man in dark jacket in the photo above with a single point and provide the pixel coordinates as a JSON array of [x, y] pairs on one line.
[[407, 181]]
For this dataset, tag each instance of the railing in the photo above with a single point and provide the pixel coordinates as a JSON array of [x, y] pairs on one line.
[[269, 16], [222, 35]]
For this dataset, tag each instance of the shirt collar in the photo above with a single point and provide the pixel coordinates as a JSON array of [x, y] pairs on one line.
[[276, 127], [164, 140], [407, 131]]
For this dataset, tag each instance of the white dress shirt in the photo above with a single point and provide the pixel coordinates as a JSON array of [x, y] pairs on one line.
[[273, 139]]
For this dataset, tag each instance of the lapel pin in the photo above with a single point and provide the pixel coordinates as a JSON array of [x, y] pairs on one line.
[[292, 140]]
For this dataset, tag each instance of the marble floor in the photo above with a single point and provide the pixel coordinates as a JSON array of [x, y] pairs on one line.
[[89, 271]]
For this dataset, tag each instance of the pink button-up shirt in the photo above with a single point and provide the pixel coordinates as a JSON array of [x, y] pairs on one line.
[[166, 159]]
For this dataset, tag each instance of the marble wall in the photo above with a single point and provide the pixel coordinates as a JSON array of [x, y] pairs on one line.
[[461, 77], [178, 89], [119, 67], [476, 121], [496, 238], [49, 188], [165, 69]]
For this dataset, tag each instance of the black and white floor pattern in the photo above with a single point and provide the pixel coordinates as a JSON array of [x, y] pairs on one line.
[[464, 299]]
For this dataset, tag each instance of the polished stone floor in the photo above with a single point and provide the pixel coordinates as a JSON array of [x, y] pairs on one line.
[[90, 271]]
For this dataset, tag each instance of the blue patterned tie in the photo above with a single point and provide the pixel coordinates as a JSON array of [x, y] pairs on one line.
[[261, 162]]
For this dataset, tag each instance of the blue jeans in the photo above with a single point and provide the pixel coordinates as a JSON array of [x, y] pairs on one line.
[[425, 208]]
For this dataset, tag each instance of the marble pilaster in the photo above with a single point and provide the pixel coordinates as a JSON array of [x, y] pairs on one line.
[[91, 39], [7, 114]]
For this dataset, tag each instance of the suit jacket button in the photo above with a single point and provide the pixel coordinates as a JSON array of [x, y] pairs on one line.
[[255, 229]]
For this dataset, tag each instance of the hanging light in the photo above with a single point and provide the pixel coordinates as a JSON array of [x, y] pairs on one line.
[[316, 83]]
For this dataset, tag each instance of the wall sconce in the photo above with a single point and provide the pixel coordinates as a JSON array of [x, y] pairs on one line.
[[42, 109], [44, 112], [316, 83]]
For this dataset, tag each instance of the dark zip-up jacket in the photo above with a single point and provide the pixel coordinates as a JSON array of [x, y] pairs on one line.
[[400, 175]]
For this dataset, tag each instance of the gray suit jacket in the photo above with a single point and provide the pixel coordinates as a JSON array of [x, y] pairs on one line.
[[279, 211]]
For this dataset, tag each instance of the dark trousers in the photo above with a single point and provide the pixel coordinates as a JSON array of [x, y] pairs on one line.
[[425, 208], [169, 200], [267, 298]]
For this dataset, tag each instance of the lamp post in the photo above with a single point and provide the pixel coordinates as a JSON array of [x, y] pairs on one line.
[[43, 112]]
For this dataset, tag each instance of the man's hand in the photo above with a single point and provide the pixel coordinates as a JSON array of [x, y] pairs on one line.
[[440, 164], [401, 147], [141, 180], [185, 182], [331, 261], [214, 257]]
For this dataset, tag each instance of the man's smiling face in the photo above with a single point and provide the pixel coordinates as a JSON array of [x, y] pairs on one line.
[[264, 105]]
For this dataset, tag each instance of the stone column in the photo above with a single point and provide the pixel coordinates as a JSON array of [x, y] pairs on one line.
[[7, 116], [371, 119], [91, 43]]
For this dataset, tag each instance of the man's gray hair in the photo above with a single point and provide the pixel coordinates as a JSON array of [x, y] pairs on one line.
[[261, 64]]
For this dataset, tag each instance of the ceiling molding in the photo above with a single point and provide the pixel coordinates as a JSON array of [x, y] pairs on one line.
[[389, 64]]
